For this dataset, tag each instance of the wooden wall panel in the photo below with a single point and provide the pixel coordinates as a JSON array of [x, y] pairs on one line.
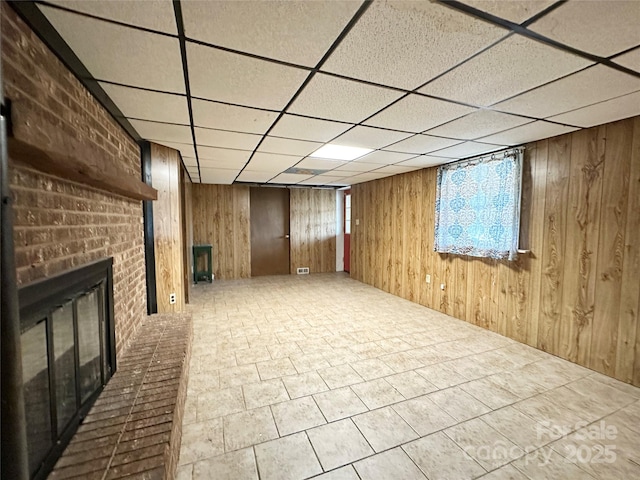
[[313, 229], [613, 219], [555, 215], [581, 251], [221, 218], [240, 233], [537, 157], [630, 294], [168, 228], [412, 252], [576, 294]]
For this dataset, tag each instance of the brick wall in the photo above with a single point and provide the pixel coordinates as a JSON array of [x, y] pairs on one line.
[[61, 224]]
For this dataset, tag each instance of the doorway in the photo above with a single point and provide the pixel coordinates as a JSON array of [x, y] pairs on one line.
[[347, 231], [269, 231]]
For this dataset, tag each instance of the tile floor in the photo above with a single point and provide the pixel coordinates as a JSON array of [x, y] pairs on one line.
[[324, 377]]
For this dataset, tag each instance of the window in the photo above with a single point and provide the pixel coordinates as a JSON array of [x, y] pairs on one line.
[[478, 206]]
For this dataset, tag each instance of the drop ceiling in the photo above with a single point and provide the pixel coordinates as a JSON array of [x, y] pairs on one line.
[[249, 89]]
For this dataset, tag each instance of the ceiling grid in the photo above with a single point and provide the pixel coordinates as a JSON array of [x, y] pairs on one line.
[[248, 90]]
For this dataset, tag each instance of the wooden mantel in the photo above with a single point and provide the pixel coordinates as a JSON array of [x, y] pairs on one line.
[[45, 143], [90, 172]]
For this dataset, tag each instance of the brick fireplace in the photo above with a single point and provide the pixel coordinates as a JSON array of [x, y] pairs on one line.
[[61, 225]]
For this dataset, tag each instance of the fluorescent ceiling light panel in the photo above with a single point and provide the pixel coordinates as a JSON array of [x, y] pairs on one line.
[[340, 152]]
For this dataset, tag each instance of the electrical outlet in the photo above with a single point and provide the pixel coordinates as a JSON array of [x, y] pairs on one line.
[[357, 221], [303, 270], [428, 278], [172, 298], [442, 286]]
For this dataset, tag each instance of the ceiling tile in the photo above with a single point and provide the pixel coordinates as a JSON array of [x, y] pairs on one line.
[[186, 149], [416, 113], [146, 105], [514, 11], [357, 167], [255, 177], [288, 147], [478, 124], [223, 157], [225, 139], [303, 128], [383, 157], [293, 31], [466, 150], [369, 137], [319, 163], [191, 163], [162, 131], [218, 175], [367, 177], [604, 112], [602, 28], [230, 117], [229, 77], [222, 162], [152, 14], [271, 162], [321, 180], [422, 144], [105, 49], [387, 45], [589, 86], [339, 99], [424, 161], [289, 178], [395, 169], [341, 173], [528, 133], [339, 183], [513, 66], [630, 60]]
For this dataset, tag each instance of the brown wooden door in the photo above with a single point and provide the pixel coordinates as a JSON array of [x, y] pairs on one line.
[[269, 231]]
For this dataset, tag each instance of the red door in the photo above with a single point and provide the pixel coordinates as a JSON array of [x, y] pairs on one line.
[[347, 230]]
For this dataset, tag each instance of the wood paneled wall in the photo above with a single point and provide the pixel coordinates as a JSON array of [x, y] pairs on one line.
[[313, 230], [166, 177], [575, 295], [221, 218]]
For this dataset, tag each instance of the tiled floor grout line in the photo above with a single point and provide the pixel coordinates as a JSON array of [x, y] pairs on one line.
[[255, 459], [306, 435], [326, 422]]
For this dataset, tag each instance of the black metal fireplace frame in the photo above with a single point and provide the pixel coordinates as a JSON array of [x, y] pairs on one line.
[[36, 301]]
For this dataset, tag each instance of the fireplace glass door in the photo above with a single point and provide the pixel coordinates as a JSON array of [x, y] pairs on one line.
[[67, 357]]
